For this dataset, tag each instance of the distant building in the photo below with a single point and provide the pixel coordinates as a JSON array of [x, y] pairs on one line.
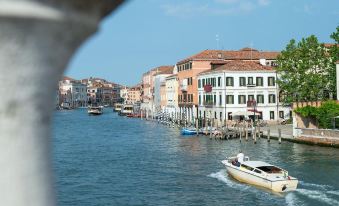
[[72, 92], [172, 87], [160, 89], [134, 94], [147, 92]]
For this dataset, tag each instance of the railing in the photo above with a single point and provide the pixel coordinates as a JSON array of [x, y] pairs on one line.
[[208, 104]]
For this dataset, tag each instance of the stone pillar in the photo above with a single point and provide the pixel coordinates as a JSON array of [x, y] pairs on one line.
[[37, 38]]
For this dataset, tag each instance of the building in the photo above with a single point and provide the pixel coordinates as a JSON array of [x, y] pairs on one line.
[[240, 89], [124, 94], [95, 93], [72, 92], [189, 68], [172, 87], [134, 94], [160, 88], [147, 92]]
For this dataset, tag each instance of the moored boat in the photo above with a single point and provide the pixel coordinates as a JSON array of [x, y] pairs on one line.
[[188, 131], [260, 174], [95, 110], [126, 109], [117, 107]]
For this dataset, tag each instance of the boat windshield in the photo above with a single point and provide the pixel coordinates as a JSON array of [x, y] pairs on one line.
[[270, 169]]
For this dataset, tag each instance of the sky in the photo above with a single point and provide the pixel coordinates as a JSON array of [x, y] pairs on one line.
[[144, 34]]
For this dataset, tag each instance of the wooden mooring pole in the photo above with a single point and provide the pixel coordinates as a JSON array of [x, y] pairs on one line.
[[268, 135], [279, 133]]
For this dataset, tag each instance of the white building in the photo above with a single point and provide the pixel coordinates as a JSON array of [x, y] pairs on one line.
[[159, 81], [73, 92], [172, 87], [224, 91]]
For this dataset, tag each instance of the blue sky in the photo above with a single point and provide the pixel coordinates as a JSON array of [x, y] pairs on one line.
[[143, 34]]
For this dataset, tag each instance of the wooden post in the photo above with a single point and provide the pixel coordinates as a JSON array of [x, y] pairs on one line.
[[255, 135], [279, 132], [246, 132], [268, 134], [259, 132], [240, 130], [211, 121], [197, 126]]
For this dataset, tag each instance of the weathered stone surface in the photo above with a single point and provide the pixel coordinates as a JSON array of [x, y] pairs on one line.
[[37, 38]]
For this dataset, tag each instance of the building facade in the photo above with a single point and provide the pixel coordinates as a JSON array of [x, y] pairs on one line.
[[172, 87], [72, 92], [240, 90]]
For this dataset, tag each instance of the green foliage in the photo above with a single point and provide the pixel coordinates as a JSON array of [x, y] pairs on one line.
[[323, 114], [334, 52], [306, 70]]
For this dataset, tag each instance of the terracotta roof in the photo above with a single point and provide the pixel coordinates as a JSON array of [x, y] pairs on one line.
[[238, 65], [67, 78], [164, 70], [243, 54]]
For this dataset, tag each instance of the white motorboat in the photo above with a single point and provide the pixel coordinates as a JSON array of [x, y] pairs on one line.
[[95, 110], [260, 174]]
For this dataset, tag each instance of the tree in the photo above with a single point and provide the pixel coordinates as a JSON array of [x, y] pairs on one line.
[[334, 52], [303, 71]]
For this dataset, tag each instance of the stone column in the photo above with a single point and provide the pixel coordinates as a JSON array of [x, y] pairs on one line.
[[37, 40]]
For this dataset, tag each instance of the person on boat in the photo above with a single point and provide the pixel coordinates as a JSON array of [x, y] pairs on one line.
[[240, 157]]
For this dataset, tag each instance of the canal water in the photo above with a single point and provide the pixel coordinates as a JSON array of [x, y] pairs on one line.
[[113, 160]]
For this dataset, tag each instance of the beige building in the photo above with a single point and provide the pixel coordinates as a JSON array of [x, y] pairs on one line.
[[172, 87]]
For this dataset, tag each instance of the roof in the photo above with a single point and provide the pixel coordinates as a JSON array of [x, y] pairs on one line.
[[67, 78], [240, 66], [256, 164], [164, 70], [243, 54], [171, 76]]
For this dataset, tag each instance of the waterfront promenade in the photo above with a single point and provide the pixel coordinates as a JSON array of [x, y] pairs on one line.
[[113, 160]]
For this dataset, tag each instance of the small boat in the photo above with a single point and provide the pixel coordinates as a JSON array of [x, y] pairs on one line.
[[188, 131], [260, 174], [126, 109], [95, 110], [117, 107]]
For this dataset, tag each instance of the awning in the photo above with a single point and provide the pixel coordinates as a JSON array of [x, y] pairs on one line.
[[238, 113]]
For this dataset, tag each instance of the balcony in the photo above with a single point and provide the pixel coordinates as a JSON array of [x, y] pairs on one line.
[[251, 85], [208, 104], [183, 88]]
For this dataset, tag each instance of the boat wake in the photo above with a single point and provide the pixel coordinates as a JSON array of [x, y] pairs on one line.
[[321, 193], [223, 177]]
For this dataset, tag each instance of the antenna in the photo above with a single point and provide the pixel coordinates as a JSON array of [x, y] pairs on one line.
[[217, 39], [251, 46]]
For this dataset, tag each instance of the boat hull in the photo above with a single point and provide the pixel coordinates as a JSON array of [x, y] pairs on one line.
[[188, 132], [275, 185]]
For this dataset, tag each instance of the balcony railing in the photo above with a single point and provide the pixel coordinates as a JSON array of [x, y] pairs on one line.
[[208, 103]]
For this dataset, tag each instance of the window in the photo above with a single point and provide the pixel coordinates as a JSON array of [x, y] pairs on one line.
[[259, 81], [271, 98], [215, 115], [241, 99], [199, 83], [229, 81], [242, 81], [271, 114], [281, 114], [214, 99], [220, 116], [214, 82], [229, 99], [190, 65], [199, 99], [250, 80], [200, 114], [271, 81], [250, 97], [203, 82], [220, 99], [189, 81], [219, 81], [260, 99]]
